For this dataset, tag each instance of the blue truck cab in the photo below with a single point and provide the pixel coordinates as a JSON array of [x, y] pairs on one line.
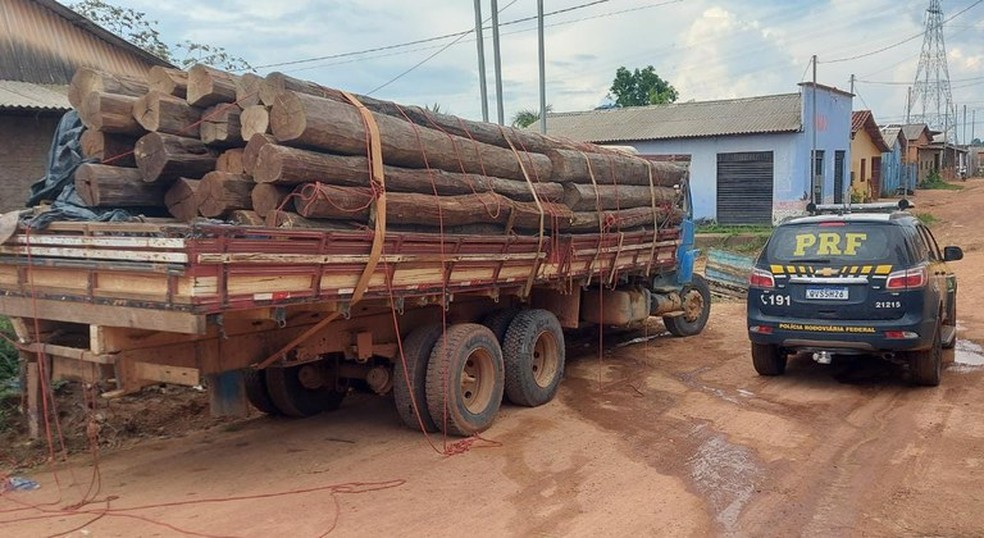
[[853, 283]]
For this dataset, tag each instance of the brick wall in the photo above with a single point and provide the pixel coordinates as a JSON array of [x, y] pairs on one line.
[[24, 144]]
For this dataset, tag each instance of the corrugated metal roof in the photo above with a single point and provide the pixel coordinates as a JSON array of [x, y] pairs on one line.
[[26, 96], [892, 134], [913, 131], [44, 42], [858, 117], [865, 120], [753, 115]]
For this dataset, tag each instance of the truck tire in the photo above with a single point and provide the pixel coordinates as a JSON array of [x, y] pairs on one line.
[[534, 355], [465, 379], [768, 359], [295, 395], [498, 322], [927, 365], [417, 348], [256, 391], [697, 308]]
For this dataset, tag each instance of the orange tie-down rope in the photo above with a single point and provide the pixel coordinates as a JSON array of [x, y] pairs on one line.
[[539, 207], [375, 153]]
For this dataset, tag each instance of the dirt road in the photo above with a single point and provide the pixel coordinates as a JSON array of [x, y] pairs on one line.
[[666, 437]]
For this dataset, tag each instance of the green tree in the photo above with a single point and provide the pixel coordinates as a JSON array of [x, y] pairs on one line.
[[640, 88], [527, 116], [135, 27]]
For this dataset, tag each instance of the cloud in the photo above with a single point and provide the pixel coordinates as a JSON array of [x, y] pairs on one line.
[[709, 49]]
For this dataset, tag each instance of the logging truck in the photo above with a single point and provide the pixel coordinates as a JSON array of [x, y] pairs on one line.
[[347, 243]]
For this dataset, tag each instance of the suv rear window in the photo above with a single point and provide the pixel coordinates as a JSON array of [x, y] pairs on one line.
[[837, 242]]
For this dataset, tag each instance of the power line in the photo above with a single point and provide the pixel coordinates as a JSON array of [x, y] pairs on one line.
[[899, 43], [427, 59], [472, 39], [428, 39]]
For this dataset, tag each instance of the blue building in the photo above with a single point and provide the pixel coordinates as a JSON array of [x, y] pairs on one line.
[[895, 172], [749, 158]]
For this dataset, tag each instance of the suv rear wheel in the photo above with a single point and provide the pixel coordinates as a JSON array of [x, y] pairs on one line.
[[768, 359], [927, 365]]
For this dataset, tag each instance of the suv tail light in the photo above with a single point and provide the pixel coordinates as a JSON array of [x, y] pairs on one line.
[[761, 279], [908, 279]]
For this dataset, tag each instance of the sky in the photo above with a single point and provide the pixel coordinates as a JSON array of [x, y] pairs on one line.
[[707, 49]]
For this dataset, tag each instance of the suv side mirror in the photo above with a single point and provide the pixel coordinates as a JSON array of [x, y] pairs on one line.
[[952, 254]]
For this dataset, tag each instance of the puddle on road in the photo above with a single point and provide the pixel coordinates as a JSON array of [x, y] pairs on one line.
[[967, 353], [726, 475]]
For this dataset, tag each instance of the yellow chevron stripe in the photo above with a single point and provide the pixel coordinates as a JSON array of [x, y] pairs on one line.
[[855, 269], [802, 270], [883, 269], [777, 269], [790, 269], [867, 270]]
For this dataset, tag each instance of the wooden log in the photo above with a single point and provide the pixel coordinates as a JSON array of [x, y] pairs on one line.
[[287, 219], [255, 120], [208, 86], [231, 161], [283, 165], [626, 219], [355, 203], [221, 126], [182, 199], [113, 149], [87, 80], [306, 121], [162, 113], [526, 216], [110, 113], [580, 197], [267, 197], [220, 193], [612, 168], [248, 90], [101, 185], [245, 217], [164, 157], [488, 133], [252, 151], [168, 81]]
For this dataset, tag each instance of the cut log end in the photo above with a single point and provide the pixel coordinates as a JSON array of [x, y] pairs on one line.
[[181, 199], [287, 119]]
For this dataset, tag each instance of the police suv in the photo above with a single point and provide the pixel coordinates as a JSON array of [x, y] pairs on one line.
[[850, 284]]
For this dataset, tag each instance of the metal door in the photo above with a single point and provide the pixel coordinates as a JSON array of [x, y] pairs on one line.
[[744, 187], [839, 177]]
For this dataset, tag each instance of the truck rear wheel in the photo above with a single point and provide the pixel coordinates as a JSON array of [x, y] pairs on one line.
[[465, 379], [303, 390], [256, 391], [498, 322], [417, 348], [534, 354], [696, 309], [768, 359], [927, 365]]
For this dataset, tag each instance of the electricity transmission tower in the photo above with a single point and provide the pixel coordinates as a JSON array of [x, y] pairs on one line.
[[931, 101]]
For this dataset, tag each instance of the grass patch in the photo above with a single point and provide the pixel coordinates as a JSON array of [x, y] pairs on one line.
[[927, 218], [934, 182], [9, 374]]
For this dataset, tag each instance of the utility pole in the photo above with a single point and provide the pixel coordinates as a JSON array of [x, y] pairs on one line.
[[483, 85], [497, 59], [543, 68], [852, 85], [813, 152], [965, 125], [908, 104]]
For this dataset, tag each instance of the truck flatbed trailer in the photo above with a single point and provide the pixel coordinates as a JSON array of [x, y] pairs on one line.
[[290, 319]]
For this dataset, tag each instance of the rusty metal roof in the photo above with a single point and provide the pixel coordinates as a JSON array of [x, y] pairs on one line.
[[752, 115], [16, 95]]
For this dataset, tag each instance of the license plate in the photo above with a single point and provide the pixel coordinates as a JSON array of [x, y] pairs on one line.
[[832, 294]]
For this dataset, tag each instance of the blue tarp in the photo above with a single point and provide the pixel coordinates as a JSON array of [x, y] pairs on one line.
[[57, 187]]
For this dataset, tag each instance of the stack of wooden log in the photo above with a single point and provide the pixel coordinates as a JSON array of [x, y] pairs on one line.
[[279, 151]]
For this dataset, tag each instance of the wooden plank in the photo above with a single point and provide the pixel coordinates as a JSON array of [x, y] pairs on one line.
[[95, 254], [72, 353], [76, 370], [34, 413], [162, 373], [90, 241], [100, 314]]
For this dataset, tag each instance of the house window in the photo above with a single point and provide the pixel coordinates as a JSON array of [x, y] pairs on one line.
[[863, 170], [818, 163]]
